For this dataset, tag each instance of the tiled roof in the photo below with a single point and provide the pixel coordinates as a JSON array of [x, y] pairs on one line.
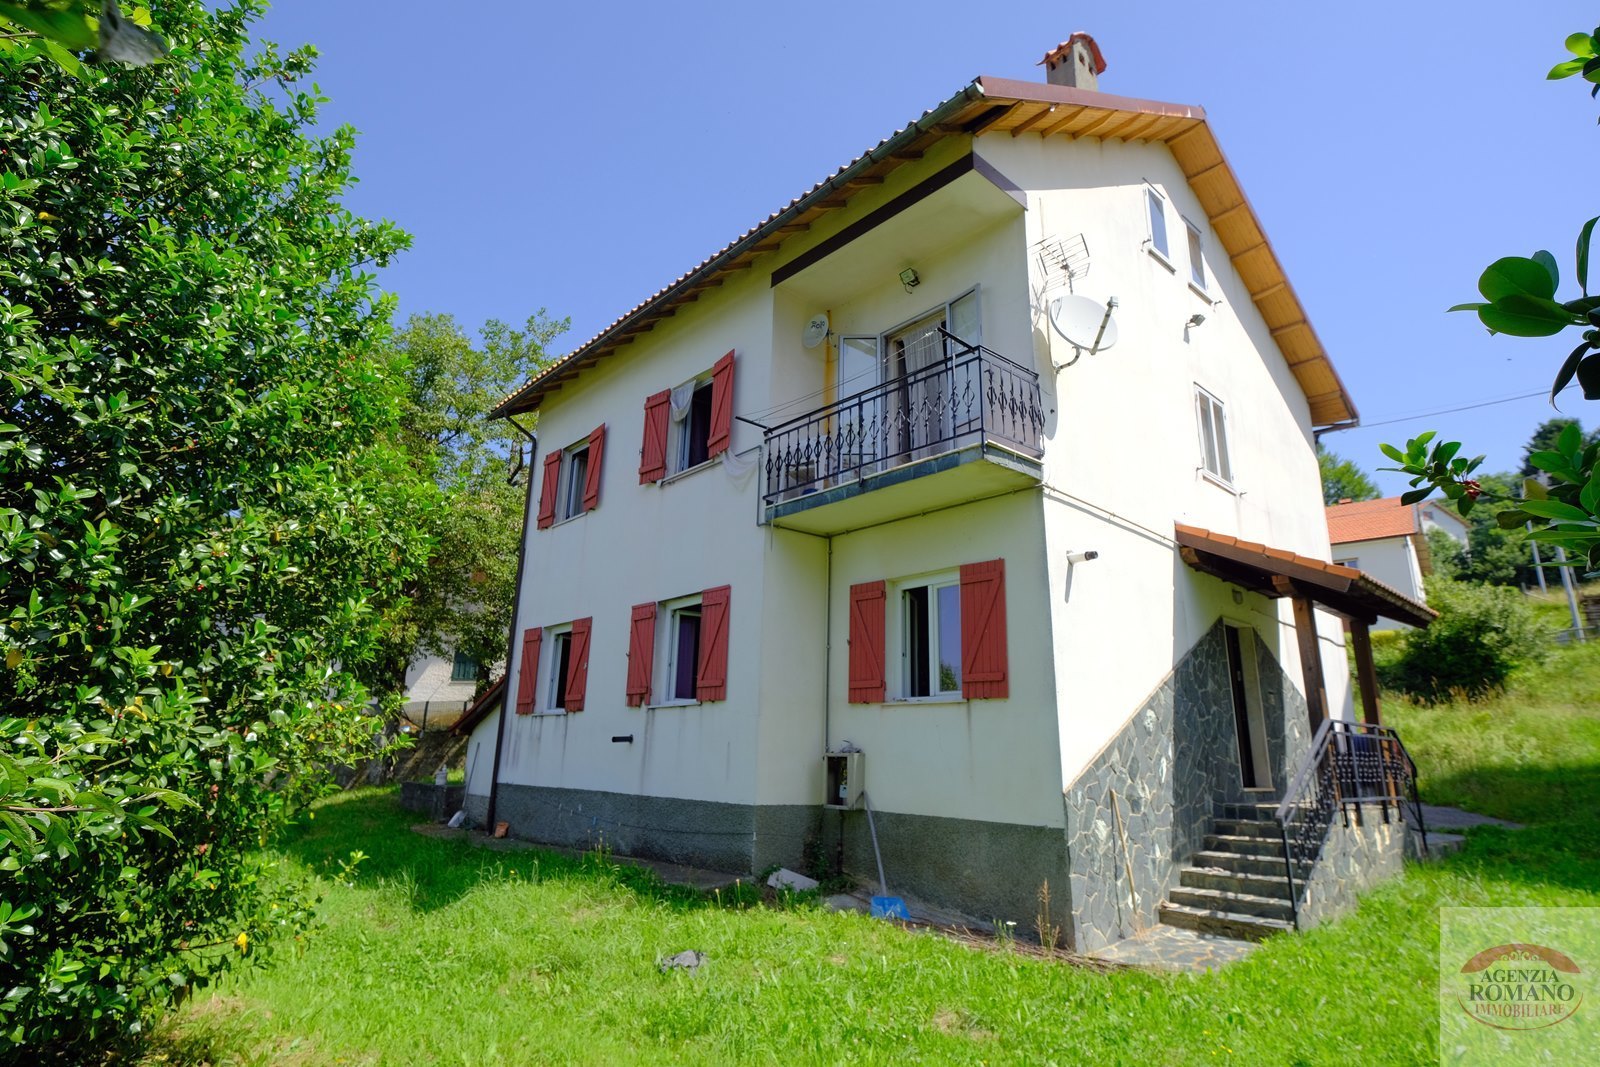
[[1369, 520], [1343, 588], [994, 106]]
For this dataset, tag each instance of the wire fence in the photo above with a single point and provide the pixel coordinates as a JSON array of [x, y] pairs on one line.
[[432, 716]]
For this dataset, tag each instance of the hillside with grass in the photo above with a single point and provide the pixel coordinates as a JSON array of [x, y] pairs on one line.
[[436, 952]]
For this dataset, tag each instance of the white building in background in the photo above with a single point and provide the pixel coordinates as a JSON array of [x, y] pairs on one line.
[[1388, 540], [844, 487]]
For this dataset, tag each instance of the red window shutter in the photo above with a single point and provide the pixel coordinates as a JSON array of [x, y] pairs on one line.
[[547, 490], [711, 681], [528, 671], [578, 664], [653, 457], [641, 653], [591, 482], [867, 676], [983, 630], [721, 406]]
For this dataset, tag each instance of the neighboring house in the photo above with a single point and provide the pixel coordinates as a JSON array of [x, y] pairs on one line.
[[1388, 540], [843, 488], [440, 687], [1437, 516]]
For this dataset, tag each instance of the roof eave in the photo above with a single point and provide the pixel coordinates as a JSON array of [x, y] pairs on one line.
[[527, 396]]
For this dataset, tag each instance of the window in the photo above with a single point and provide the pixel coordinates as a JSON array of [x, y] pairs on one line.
[[567, 668], [560, 668], [683, 652], [1158, 222], [574, 476], [949, 632], [571, 480], [1197, 263], [1353, 563], [692, 432], [687, 426], [931, 637], [464, 669], [1213, 436], [690, 643]]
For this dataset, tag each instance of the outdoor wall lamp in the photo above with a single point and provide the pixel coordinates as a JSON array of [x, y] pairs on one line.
[[1195, 320], [909, 279]]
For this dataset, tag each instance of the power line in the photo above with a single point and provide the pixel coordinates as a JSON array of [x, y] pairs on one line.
[[1444, 411]]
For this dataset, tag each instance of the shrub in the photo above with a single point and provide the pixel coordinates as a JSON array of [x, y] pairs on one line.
[[198, 531], [1482, 634]]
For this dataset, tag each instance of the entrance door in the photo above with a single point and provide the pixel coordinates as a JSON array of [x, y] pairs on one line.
[[1249, 728]]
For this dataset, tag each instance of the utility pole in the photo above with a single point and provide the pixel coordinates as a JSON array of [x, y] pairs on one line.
[[1572, 593]]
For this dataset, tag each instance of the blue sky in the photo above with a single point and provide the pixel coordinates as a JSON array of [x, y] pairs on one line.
[[579, 157]]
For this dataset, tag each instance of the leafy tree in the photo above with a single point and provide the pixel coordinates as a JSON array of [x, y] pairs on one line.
[[200, 514], [1494, 555], [58, 28], [461, 600], [1544, 439], [1449, 555], [1520, 299], [1482, 634], [1342, 479]]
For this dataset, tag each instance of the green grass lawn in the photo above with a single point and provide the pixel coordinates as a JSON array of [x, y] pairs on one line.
[[443, 953]]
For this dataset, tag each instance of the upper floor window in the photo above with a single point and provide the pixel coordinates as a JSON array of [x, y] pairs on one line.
[[688, 426], [691, 426], [1197, 263], [464, 668], [1157, 205], [574, 475], [571, 479], [1213, 436]]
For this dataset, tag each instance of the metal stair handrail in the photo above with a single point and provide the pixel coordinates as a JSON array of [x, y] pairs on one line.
[[1348, 764]]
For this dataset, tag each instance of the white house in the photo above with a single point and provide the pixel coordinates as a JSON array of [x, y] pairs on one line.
[[1387, 540], [845, 488]]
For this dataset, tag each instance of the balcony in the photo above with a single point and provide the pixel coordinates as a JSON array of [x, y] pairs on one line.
[[965, 427]]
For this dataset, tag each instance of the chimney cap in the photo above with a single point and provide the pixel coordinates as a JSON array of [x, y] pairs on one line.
[[1064, 46]]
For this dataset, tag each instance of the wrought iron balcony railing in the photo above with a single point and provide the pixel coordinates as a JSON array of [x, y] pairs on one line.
[[1349, 764], [969, 396]]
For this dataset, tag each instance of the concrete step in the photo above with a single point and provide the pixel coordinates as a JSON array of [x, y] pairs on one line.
[[1197, 877], [1233, 903], [1266, 811], [1239, 863], [1248, 846], [1222, 923], [1248, 828]]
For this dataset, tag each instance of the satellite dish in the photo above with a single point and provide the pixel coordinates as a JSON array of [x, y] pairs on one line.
[[1086, 323], [816, 330]]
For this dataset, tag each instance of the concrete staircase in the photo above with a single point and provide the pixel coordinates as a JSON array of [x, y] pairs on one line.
[[1236, 886]]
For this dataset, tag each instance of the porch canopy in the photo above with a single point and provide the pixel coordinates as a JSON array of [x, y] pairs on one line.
[[1276, 572]]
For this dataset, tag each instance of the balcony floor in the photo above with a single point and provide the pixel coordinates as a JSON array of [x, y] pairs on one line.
[[957, 477]]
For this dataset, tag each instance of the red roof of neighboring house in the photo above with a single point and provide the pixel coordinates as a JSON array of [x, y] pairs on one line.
[[486, 705], [1369, 520]]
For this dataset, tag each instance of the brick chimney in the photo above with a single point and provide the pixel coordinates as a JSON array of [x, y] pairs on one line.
[[1076, 62]]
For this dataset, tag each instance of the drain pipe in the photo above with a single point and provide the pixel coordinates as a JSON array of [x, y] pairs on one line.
[[511, 638], [827, 655]]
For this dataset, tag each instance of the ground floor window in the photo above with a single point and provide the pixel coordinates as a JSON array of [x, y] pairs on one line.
[[683, 654], [931, 637]]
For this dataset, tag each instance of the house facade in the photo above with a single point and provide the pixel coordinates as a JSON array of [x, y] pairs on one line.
[[872, 481], [1388, 540]]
